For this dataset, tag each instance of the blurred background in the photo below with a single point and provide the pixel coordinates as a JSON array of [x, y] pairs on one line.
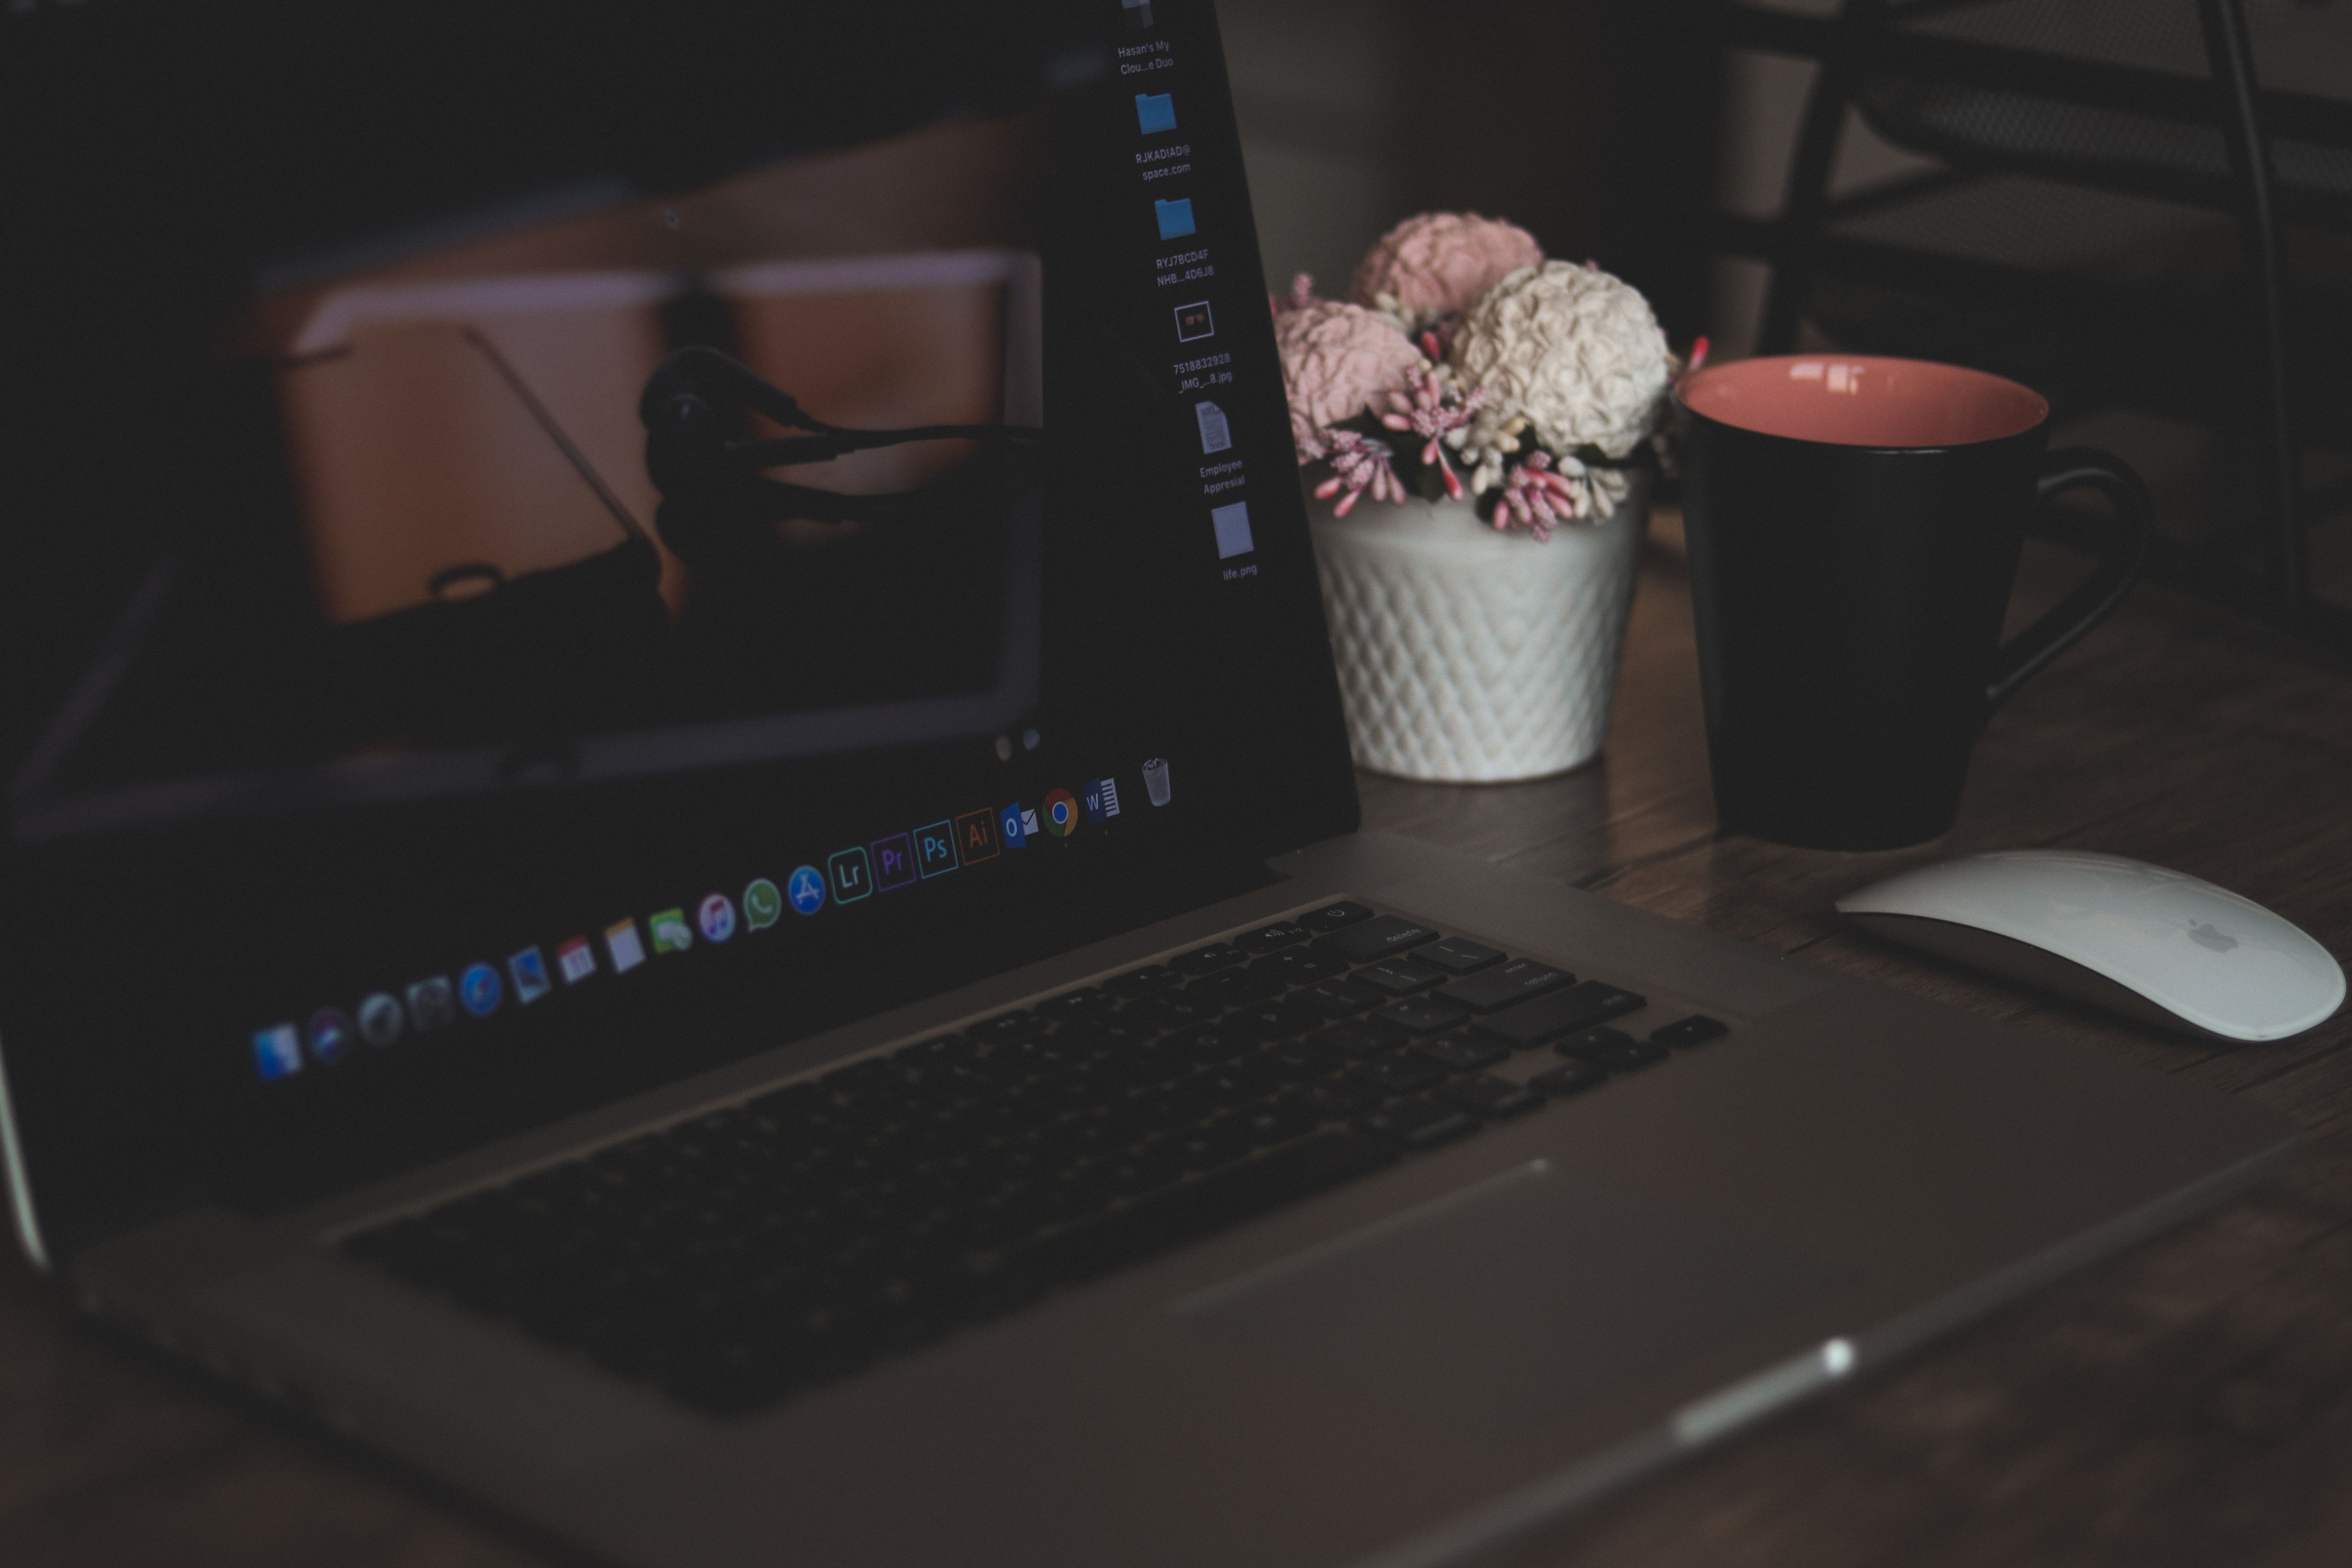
[[2054, 190]]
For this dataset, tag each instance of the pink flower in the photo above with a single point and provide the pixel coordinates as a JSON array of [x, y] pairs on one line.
[[1535, 498], [1433, 409], [1358, 465], [1340, 361], [1434, 265]]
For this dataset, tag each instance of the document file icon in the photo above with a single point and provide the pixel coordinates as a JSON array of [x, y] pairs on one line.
[[1216, 434], [1175, 217], [1155, 112], [1233, 529]]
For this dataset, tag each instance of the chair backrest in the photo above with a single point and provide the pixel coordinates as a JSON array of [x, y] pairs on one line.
[[2115, 94]]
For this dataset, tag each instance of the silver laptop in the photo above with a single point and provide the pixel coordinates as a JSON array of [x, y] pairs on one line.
[[681, 846]]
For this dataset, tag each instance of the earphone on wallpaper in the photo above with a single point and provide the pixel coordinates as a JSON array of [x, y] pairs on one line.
[[716, 499]]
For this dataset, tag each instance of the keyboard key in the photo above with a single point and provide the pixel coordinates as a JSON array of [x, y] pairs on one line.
[[1375, 939], [1463, 1053], [1086, 1004], [1276, 1121], [1417, 1123], [1137, 1171], [1573, 1078], [1490, 1097], [1303, 1061], [1621, 1054], [1458, 955], [1392, 1076], [1267, 939], [1170, 1108], [1099, 1036], [1422, 1015], [1338, 998], [1156, 1063], [1208, 1043], [1337, 1100], [928, 1053], [1170, 1010], [1513, 983], [1243, 1082], [1302, 966], [1561, 1012], [1360, 1037], [1216, 1202], [1145, 982], [1590, 1044], [1235, 987], [1398, 976], [1054, 1054], [1206, 959], [1273, 1021], [1694, 1030], [1007, 1026], [1219, 1143], [1332, 917]]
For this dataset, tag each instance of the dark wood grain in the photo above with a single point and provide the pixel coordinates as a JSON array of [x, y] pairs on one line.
[[2189, 1403]]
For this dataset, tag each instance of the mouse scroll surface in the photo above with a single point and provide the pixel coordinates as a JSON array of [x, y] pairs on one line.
[[2213, 961]]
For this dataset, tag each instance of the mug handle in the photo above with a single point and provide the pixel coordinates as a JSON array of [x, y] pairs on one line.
[[2129, 536]]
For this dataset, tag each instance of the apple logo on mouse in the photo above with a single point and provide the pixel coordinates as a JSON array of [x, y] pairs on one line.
[[2205, 936]]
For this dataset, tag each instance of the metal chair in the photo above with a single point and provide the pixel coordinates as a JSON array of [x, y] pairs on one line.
[[1976, 86]]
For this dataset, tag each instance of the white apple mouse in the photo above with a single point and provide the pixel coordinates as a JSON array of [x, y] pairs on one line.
[[2153, 945]]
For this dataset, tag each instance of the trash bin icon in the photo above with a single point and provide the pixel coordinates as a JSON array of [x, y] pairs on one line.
[[1155, 780]]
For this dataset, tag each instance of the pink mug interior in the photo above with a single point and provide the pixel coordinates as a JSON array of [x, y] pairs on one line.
[[1863, 400]]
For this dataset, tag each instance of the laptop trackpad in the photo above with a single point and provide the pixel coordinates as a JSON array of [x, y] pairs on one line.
[[1500, 1307]]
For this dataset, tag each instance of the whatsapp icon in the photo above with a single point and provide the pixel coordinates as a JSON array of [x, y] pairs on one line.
[[762, 903]]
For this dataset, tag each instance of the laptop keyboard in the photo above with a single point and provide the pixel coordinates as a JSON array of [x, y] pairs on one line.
[[746, 1255]]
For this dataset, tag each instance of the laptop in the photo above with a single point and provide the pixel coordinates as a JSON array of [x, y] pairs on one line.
[[681, 848]]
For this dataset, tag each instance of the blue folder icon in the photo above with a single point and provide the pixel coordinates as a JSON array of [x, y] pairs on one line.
[[1175, 217], [1155, 112]]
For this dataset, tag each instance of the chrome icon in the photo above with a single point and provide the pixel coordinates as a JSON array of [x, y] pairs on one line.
[[1060, 813]]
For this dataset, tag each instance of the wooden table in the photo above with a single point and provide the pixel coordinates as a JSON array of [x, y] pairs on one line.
[[2189, 1403]]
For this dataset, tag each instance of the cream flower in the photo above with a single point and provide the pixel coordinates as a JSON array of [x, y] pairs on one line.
[[1570, 350], [1436, 264], [1338, 360]]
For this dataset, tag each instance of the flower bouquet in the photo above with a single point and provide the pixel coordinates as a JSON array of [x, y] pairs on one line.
[[1495, 402]]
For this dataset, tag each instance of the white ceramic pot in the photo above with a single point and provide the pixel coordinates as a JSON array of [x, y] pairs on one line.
[[1468, 653]]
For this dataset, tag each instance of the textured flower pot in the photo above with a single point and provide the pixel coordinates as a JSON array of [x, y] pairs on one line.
[[1468, 655]]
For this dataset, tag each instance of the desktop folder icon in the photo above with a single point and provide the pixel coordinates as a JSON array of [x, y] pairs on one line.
[[1175, 217], [1155, 112]]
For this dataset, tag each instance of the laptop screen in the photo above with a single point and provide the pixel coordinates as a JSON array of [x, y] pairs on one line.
[[548, 555]]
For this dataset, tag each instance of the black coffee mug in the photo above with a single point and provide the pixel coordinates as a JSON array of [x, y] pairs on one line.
[[1855, 525]]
